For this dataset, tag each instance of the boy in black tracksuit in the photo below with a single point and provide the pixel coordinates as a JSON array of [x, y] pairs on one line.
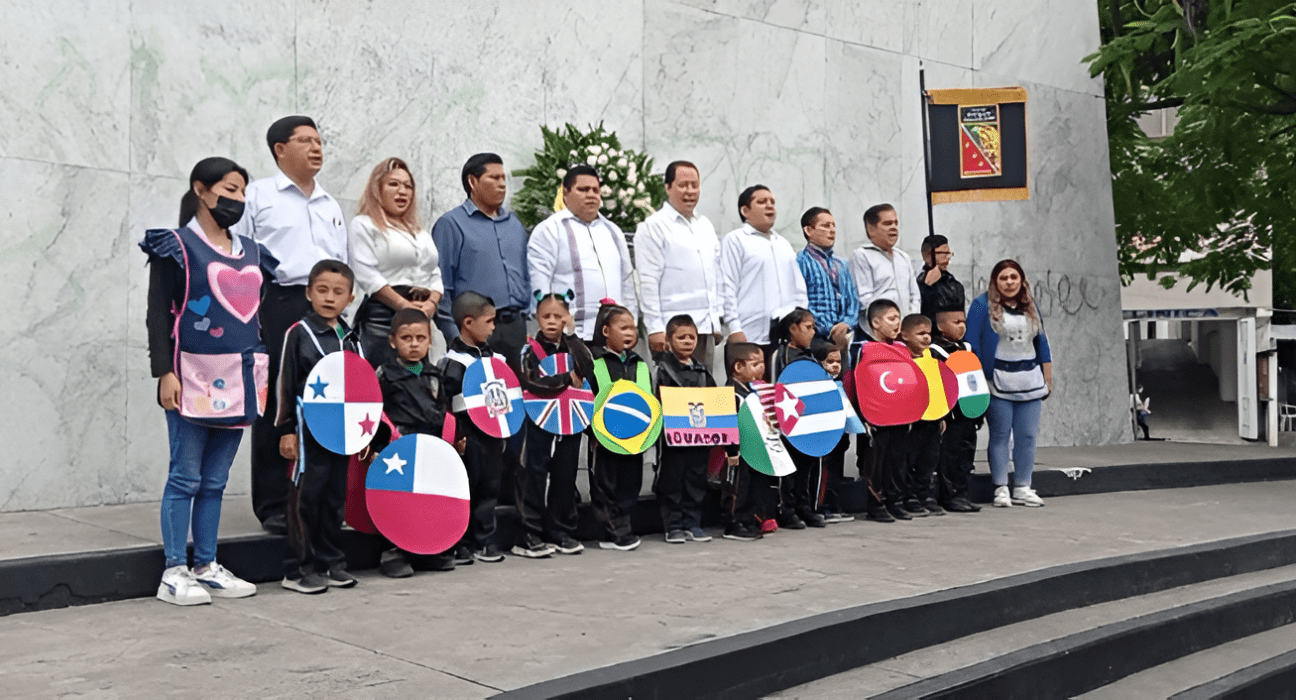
[[483, 453], [748, 497], [882, 462], [922, 444], [415, 403], [315, 560], [958, 443], [681, 474]]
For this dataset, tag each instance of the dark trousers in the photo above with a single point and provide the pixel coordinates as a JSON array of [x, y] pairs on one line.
[[748, 497], [802, 491], [886, 466], [615, 481], [681, 486], [922, 459], [482, 456], [958, 448], [314, 507], [281, 307], [834, 465], [550, 460], [508, 339]]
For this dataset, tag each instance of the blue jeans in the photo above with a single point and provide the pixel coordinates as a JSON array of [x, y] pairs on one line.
[[1018, 420], [200, 466]]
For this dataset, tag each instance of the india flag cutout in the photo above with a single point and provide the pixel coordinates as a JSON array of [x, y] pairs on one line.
[[342, 404], [417, 492], [973, 389]]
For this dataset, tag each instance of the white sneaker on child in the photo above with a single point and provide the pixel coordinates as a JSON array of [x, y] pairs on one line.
[[179, 587], [220, 583], [1025, 496], [1001, 498]]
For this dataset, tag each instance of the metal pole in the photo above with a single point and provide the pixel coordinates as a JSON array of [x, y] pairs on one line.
[[922, 88]]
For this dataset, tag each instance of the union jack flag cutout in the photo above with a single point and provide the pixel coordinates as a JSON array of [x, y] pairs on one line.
[[567, 413]]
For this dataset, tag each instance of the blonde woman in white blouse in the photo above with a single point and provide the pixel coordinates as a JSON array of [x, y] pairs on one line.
[[395, 261]]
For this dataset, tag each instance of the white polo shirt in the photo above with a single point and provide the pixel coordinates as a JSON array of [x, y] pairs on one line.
[[299, 231], [759, 281], [679, 270]]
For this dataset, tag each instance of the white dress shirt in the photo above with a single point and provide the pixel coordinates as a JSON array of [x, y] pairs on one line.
[[881, 276], [392, 257], [759, 281], [592, 260], [299, 231], [678, 261]]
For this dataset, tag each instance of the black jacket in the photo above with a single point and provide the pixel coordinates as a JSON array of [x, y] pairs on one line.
[[530, 378], [415, 403], [452, 374], [299, 358], [627, 369], [945, 294], [672, 372], [784, 356]]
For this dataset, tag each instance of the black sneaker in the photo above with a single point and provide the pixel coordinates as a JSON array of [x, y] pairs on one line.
[[309, 584], [489, 554], [567, 544], [444, 561], [532, 548], [677, 537], [393, 564], [276, 524], [933, 508], [898, 512], [914, 508], [741, 533], [339, 577], [791, 522], [463, 556], [624, 544], [815, 520], [961, 505], [879, 515]]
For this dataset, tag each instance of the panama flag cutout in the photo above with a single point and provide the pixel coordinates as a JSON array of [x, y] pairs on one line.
[[417, 492], [890, 388], [342, 404], [760, 445], [817, 427], [942, 386], [567, 413], [973, 389], [629, 419], [854, 425], [493, 397], [704, 416]]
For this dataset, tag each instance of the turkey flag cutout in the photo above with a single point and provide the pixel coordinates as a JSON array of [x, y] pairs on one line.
[[342, 404], [417, 493], [890, 388]]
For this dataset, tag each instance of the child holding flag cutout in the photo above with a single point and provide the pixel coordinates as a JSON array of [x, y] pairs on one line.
[[550, 458], [414, 401], [748, 497], [958, 442], [881, 460], [317, 493], [829, 357], [794, 334], [681, 476], [483, 454], [615, 479], [922, 442]]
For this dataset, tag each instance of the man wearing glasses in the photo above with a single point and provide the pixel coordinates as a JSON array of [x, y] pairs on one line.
[[936, 285]]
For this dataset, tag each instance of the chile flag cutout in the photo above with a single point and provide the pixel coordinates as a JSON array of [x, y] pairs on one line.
[[417, 493], [342, 403], [889, 387]]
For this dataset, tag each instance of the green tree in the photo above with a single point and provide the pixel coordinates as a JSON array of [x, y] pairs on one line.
[[1214, 199]]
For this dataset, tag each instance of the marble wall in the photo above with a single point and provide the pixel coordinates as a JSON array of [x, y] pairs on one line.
[[107, 104]]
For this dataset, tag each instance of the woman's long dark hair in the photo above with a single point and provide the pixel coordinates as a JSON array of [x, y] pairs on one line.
[[208, 171], [1023, 302]]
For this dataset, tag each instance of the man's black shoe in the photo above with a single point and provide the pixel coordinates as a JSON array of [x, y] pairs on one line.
[[275, 524]]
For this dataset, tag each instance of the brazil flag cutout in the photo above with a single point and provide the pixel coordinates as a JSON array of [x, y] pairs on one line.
[[703, 416], [417, 492], [628, 419], [342, 404], [890, 388], [942, 386], [973, 389], [760, 444]]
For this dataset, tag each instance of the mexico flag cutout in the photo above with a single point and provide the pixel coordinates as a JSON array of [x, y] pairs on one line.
[[973, 389], [704, 416], [890, 388], [342, 404], [567, 413], [760, 445], [493, 397], [942, 386], [628, 420], [817, 427], [417, 492]]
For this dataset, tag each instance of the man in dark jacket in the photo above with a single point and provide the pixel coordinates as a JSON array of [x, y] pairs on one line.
[[937, 287]]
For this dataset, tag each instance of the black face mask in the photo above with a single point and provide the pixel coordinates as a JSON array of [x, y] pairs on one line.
[[227, 212]]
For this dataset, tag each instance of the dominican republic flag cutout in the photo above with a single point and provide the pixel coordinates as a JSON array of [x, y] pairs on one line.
[[817, 427], [342, 404], [973, 389], [493, 397], [567, 413], [759, 442], [629, 419], [890, 388], [417, 491]]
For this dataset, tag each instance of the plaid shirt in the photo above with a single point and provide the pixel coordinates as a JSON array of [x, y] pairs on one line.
[[830, 302]]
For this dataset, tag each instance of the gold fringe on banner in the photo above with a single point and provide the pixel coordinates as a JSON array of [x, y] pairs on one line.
[[988, 195], [976, 96]]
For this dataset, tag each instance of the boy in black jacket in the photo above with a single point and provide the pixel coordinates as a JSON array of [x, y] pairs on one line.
[[414, 402], [681, 475], [958, 443], [317, 495], [748, 497], [483, 454]]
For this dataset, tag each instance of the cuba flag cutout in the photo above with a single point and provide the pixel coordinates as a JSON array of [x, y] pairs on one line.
[[628, 420], [890, 388], [760, 445], [942, 386], [973, 390], [817, 428], [342, 404], [854, 425], [703, 416], [417, 492], [493, 397], [567, 413]]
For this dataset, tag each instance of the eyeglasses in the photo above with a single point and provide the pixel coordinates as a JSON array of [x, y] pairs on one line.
[[307, 140]]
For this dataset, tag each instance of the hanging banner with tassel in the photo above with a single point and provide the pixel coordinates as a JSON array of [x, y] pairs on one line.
[[977, 142]]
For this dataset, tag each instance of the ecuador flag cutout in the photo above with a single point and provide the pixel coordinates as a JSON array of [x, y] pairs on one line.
[[417, 491], [973, 389], [942, 386], [342, 404], [628, 419], [699, 415]]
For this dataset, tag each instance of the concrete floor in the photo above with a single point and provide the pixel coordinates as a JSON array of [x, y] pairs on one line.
[[480, 629]]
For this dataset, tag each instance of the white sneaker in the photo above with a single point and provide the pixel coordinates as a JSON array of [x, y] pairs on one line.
[[1002, 499], [1025, 496], [220, 583], [179, 587]]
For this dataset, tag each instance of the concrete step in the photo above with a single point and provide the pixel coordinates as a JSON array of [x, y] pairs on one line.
[[1271, 679], [963, 653]]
